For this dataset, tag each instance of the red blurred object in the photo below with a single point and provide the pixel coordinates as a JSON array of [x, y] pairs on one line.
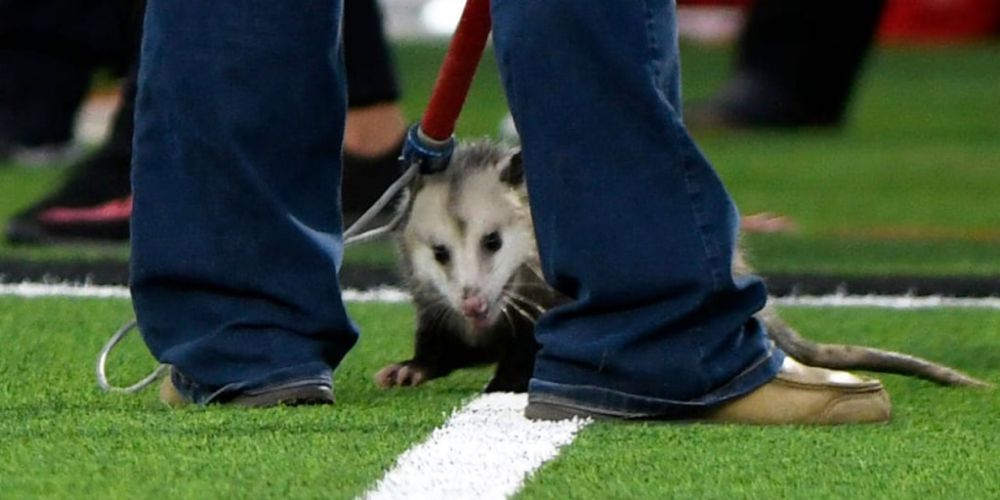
[[939, 21]]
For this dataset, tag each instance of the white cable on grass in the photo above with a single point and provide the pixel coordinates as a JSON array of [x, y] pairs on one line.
[[102, 360]]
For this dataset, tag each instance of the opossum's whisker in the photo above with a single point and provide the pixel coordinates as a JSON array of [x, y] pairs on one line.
[[528, 284], [536, 271], [438, 311], [525, 301], [510, 301]]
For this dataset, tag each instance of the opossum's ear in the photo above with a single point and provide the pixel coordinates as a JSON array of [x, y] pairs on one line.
[[513, 173]]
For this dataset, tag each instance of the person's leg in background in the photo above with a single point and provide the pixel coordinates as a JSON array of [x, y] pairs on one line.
[[93, 203], [631, 221], [375, 123], [796, 65], [48, 52], [236, 230]]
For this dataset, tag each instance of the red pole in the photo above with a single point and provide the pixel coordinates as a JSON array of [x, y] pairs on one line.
[[457, 71]]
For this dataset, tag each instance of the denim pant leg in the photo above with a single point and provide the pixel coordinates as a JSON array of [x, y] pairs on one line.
[[236, 236], [631, 219]]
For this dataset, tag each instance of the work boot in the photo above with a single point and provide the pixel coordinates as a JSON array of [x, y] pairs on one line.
[[799, 394], [290, 394]]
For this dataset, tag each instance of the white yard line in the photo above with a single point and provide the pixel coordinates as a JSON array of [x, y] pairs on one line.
[[397, 295], [888, 301], [486, 450], [39, 290]]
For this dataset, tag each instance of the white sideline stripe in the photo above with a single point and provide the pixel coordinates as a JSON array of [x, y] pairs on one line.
[[486, 450], [888, 301], [38, 290], [397, 295]]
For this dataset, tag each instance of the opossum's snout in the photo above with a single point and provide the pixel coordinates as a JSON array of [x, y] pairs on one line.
[[476, 309]]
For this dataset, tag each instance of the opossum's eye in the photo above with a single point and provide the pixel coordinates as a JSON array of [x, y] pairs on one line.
[[441, 254], [492, 242]]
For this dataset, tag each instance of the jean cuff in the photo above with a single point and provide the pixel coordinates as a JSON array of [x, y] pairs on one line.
[[617, 404]]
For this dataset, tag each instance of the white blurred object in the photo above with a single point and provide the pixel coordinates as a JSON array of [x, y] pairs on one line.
[[93, 122], [508, 130], [421, 19], [440, 17], [46, 156], [710, 24], [436, 19]]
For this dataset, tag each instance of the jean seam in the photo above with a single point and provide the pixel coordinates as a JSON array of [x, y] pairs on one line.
[[652, 45], [692, 187], [694, 191]]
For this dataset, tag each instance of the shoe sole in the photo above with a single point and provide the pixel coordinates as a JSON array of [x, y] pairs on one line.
[[550, 412], [555, 412], [303, 395]]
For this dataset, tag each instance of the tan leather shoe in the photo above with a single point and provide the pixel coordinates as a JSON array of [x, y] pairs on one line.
[[169, 394], [803, 394], [799, 394]]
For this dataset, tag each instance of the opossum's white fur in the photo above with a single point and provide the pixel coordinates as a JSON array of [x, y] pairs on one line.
[[455, 210]]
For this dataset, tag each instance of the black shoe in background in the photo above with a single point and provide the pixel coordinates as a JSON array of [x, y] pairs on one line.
[[94, 204]]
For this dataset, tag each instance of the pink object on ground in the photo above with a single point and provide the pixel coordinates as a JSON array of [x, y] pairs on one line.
[[112, 211]]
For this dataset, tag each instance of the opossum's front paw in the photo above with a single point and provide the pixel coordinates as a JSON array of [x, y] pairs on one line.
[[406, 373]]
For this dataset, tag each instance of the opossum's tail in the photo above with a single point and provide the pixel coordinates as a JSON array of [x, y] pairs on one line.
[[852, 357]]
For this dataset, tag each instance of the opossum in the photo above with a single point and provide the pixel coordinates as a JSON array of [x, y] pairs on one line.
[[467, 251]]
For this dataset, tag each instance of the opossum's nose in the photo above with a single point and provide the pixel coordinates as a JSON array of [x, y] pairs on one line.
[[474, 306]]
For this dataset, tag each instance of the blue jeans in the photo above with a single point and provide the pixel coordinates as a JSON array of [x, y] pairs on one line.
[[237, 232], [630, 218]]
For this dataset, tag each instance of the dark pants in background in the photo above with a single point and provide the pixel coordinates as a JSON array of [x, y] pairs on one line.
[[49, 51], [797, 62]]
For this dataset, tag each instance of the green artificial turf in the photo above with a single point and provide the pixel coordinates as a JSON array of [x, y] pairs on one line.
[[909, 186], [61, 438], [942, 443]]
